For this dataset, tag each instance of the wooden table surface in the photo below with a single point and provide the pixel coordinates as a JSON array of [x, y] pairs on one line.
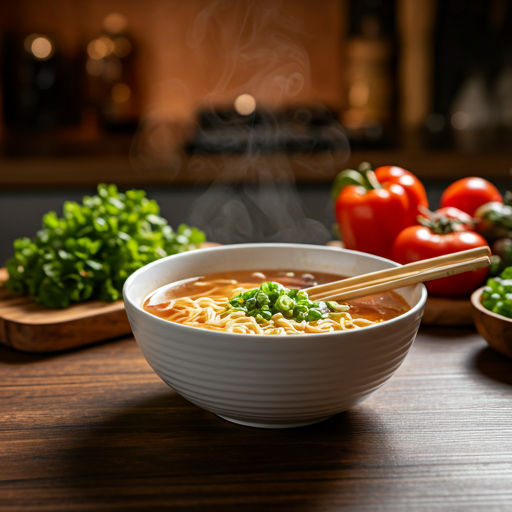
[[96, 429]]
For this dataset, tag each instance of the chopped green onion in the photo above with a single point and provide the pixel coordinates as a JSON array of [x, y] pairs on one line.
[[272, 298], [285, 303], [313, 315], [262, 298], [267, 315], [302, 296], [497, 295], [334, 306], [249, 294]]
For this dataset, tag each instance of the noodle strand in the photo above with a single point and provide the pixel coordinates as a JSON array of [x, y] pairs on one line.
[[210, 313]]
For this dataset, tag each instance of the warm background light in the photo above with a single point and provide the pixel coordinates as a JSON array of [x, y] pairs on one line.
[[359, 94], [97, 49], [109, 44], [41, 47], [245, 104], [115, 23]]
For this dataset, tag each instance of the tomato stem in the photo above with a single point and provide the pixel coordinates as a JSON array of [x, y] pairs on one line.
[[437, 222]]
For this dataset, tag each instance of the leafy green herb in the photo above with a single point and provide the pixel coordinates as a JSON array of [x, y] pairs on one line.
[[91, 250], [271, 298], [497, 295]]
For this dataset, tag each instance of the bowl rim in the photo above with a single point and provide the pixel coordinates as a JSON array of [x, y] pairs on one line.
[[186, 328], [475, 301]]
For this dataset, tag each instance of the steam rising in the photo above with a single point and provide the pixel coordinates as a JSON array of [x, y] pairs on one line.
[[253, 198]]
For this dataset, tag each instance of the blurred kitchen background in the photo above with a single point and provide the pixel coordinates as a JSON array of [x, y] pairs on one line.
[[237, 115]]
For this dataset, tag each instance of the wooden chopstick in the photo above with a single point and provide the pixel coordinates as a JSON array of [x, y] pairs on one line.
[[381, 276], [426, 275], [431, 270]]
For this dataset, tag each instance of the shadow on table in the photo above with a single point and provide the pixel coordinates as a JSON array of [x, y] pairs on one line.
[[444, 334], [12, 356], [493, 365], [166, 451]]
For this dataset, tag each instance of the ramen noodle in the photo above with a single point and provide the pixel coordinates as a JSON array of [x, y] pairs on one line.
[[204, 302]]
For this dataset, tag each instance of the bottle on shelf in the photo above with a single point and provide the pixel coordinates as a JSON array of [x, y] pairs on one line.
[[112, 76]]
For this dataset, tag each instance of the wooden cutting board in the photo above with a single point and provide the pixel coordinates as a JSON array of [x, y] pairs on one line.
[[448, 312], [30, 327]]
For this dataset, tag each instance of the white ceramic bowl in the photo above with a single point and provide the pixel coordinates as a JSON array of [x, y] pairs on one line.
[[270, 381]]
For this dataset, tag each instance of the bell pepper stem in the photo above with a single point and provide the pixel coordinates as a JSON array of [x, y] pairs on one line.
[[372, 180], [372, 183], [363, 177], [345, 178]]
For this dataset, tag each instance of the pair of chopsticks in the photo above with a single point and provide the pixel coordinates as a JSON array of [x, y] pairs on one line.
[[406, 275]]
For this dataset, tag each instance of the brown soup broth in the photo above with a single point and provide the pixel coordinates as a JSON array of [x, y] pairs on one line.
[[380, 307]]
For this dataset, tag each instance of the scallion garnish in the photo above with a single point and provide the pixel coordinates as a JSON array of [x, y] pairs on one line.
[[271, 298]]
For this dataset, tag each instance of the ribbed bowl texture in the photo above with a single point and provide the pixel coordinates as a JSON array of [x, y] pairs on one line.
[[270, 381]]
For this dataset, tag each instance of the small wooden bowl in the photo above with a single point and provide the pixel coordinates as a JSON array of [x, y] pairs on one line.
[[496, 329]]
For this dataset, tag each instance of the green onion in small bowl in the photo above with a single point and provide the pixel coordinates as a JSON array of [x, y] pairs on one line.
[[492, 312]]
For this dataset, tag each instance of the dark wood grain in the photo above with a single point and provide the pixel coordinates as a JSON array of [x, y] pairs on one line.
[[96, 429]]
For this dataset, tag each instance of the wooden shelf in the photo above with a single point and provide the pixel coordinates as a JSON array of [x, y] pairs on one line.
[[201, 170]]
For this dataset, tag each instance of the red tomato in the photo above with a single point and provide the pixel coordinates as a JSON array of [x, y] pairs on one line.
[[468, 194], [420, 243]]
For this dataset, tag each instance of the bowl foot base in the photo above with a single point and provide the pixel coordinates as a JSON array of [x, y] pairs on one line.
[[274, 425]]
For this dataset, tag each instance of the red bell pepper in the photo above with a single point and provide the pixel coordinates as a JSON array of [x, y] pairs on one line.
[[371, 212], [413, 187]]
